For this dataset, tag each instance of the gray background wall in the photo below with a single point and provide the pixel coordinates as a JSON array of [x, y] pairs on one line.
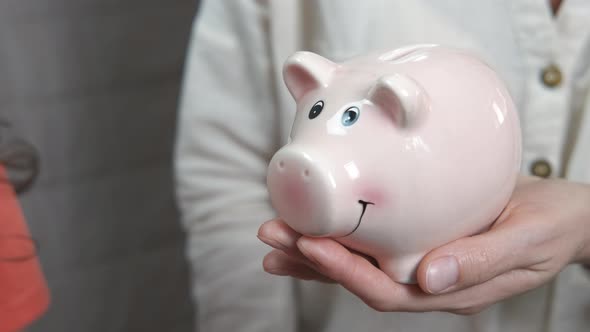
[[93, 84]]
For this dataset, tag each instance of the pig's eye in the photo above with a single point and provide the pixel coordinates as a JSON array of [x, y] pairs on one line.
[[316, 110], [350, 116]]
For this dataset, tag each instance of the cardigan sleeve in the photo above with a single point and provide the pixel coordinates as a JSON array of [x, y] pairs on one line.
[[227, 132]]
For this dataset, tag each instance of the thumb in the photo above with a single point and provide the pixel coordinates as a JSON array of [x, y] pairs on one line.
[[470, 261]]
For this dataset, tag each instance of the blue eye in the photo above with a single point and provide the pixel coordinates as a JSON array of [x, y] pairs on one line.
[[316, 110], [350, 116]]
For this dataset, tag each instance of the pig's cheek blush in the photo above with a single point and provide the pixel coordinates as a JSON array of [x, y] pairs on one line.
[[373, 194]]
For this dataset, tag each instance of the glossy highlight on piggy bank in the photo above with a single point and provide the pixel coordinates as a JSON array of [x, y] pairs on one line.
[[396, 153]]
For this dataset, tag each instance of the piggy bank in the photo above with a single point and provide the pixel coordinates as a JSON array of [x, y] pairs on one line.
[[396, 153]]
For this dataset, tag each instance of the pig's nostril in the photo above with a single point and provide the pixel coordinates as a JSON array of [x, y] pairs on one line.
[[281, 164], [306, 173]]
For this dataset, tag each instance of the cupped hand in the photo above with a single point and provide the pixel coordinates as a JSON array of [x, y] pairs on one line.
[[545, 226]]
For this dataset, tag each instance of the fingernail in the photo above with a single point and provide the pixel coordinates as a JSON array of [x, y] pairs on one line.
[[310, 250], [273, 266], [442, 273], [278, 271], [272, 243], [285, 239]]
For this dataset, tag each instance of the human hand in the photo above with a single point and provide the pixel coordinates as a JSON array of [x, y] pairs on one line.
[[545, 226]]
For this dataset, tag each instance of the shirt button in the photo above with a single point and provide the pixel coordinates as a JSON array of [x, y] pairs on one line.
[[541, 168], [551, 76]]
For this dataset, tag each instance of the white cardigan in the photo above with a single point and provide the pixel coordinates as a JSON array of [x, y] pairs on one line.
[[236, 112]]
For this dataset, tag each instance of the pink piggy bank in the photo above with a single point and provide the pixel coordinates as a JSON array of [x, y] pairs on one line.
[[396, 154]]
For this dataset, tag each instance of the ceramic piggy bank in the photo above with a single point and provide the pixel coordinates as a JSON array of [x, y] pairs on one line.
[[396, 153]]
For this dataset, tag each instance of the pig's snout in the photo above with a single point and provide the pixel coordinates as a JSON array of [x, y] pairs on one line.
[[302, 191]]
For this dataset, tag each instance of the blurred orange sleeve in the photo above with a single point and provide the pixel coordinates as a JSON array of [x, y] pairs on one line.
[[23, 291]]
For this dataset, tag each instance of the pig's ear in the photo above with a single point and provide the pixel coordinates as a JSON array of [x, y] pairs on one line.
[[305, 71], [403, 97]]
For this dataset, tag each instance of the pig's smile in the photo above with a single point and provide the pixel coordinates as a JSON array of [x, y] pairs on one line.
[[364, 204]]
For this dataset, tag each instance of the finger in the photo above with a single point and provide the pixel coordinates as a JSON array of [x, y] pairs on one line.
[[279, 263], [473, 260], [474, 299], [378, 291], [353, 272], [277, 234]]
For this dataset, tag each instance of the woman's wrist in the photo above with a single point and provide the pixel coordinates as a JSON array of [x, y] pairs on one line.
[[583, 256]]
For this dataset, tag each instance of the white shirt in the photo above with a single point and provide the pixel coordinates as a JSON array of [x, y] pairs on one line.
[[236, 113]]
